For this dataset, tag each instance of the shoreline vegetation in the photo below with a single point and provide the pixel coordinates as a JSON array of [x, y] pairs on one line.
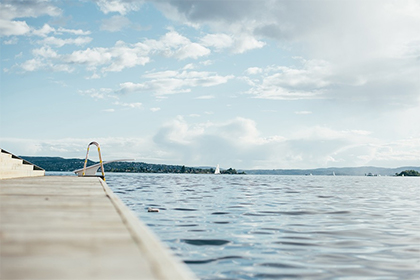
[[64, 165], [408, 173]]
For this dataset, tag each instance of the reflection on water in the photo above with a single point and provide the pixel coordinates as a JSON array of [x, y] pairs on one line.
[[281, 227]]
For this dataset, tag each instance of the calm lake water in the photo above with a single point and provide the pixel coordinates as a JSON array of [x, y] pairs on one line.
[[282, 227]]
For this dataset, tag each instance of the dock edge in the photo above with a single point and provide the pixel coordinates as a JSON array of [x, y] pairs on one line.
[[164, 264]]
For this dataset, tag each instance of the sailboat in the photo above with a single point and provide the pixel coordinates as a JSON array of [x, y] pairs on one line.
[[217, 171]]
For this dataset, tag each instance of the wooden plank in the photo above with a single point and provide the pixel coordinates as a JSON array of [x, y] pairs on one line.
[[76, 228]]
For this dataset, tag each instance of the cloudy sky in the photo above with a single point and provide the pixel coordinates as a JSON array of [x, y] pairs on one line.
[[241, 83]]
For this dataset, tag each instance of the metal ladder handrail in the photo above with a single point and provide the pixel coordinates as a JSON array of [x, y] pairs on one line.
[[100, 159]]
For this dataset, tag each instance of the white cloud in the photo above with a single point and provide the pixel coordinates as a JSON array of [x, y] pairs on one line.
[[118, 6], [237, 143], [235, 43], [192, 50], [307, 82], [58, 42], [46, 29], [155, 109], [362, 53], [326, 133], [129, 87], [218, 41], [109, 94], [42, 60], [206, 62], [189, 66], [162, 74], [170, 82], [61, 68], [91, 57], [123, 55], [93, 76], [254, 70], [245, 43], [11, 27], [403, 151], [10, 10], [115, 23], [32, 65], [325, 26], [115, 147], [229, 143], [62, 30], [11, 41], [228, 19], [173, 44], [133, 105]]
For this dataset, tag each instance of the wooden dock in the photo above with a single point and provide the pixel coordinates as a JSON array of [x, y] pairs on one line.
[[76, 228]]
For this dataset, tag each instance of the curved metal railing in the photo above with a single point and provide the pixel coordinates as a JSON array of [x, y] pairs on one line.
[[100, 159]]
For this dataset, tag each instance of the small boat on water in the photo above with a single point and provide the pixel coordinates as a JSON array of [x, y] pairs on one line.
[[217, 171]]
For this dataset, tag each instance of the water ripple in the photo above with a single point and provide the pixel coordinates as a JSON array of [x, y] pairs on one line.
[[282, 227], [294, 243], [220, 213], [185, 209], [293, 213], [205, 242], [211, 260], [278, 265]]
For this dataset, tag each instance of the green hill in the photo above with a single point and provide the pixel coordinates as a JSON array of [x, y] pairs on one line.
[[408, 173], [62, 164]]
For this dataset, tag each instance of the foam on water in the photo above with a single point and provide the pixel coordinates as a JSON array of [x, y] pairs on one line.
[[281, 227]]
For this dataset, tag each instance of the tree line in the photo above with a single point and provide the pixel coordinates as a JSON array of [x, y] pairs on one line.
[[408, 173], [61, 164]]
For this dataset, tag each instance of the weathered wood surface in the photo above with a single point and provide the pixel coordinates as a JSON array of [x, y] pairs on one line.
[[76, 228]]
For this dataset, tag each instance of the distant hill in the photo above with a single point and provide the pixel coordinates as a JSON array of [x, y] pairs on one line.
[[57, 163], [347, 171], [62, 164]]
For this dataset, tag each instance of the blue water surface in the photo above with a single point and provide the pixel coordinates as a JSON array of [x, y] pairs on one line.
[[282, 227]]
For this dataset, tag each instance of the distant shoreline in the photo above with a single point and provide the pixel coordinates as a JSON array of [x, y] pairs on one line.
[[63, 165]]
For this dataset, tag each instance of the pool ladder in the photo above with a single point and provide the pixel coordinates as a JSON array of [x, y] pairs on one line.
[[100, 161]]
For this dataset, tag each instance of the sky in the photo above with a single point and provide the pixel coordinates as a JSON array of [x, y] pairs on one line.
[[247, 84]]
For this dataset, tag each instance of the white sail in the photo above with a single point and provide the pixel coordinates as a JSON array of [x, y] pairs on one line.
[[217, 171]]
